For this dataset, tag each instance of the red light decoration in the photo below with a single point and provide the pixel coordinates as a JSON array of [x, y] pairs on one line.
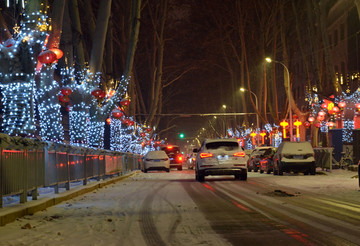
[[284, 124], [117, 114], [125, 102], [335, 109], [108, 121], [68, 108], [307, 124], [148, 129], [330, 124], [64, 99], [311, 119], [324, 105], [131, 123], [321, 113], [97, 92], [143, 134], [297, 124], [66, 91], [342, 104], [47, 57], [57, 52], [357, 106], [318, 125]]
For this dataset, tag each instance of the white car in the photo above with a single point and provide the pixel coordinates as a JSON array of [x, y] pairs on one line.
[[156, 160], [221, 157], [296, 157]]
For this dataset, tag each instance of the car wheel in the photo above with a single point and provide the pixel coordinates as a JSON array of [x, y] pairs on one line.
[[201, 177], [243, 176], [261, 171], [313, 171], [280, 171], [268, 171], [256, 169], [168, 170], [237, 176], [145, 170]]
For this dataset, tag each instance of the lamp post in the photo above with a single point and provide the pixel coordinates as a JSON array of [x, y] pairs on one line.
[[269, 60], [224, 121], [257, 108]]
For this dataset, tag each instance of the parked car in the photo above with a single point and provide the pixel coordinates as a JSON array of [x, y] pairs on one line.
[[295, 157], [175, 156], [255, 156], [156, 160], [220, 157], [190, 162], [266, 162]]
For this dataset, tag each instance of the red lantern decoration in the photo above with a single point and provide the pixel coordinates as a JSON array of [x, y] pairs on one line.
[[143, 134], [330, 124], [102, 95], [117, 114], [66, 91], [320, 118], [97, 92], [335, 109], [148, 129], [131, 123], [295, 116], [318, 125], [341, 104], [307, 123], [321, 113], [311, 119], [126, 121], [47, 57], [125, 102], [57, 52], [324, 105], [64, 99]]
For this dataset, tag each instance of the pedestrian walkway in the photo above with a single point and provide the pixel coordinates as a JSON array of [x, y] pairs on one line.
[[12, 209]]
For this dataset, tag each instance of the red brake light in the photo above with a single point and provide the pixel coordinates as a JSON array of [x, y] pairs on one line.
[[169, 147], [205, 155], [239, 154], [179, 158]]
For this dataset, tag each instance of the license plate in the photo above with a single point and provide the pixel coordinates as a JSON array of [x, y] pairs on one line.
[[156, 160], [298, 157], [225, 157]]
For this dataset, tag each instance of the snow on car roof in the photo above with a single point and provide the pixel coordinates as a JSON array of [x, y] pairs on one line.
[[156, 154], [295, 147]]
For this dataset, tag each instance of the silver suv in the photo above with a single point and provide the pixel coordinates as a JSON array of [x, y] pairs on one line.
[[296, 157], [220, 157]]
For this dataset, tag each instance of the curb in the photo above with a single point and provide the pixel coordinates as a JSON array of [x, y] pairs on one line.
[[8, 215]]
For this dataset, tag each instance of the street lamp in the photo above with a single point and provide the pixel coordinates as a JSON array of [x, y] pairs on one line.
[[269, 60], [257, 108]]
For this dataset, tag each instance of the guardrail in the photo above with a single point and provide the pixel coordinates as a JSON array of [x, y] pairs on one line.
[[27, 164]]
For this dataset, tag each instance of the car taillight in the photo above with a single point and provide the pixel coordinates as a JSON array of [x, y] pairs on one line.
[[205, 155], [179, 158], [193, 158], [239, 154]]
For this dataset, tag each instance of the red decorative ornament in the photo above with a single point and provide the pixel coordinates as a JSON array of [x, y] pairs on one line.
[[66, 91], [126, 121], [330, 124], [125, 102], [64, 99], [295, 116], [102, 95], [335, 109], [320, 118], [108, 121], [307, 123], [324, 105], [311, 119], [68, 108], [131, 123], [97, 92], [117, 114], [318, 125], [143, 134], [357, 106], [341, 104], [321, 113], [148, 129], [57, 52], [47, 57]]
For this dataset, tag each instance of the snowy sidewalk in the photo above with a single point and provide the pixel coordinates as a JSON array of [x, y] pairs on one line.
[[13, 209]]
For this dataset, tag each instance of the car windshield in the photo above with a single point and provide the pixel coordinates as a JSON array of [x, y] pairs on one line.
[[225, 145]]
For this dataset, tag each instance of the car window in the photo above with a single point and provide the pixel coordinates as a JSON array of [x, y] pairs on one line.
[[225, 145]]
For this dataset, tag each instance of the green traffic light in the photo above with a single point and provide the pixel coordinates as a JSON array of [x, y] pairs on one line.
[[181, 135]]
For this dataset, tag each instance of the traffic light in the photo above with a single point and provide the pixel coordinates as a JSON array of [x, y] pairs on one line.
[[181, 135]]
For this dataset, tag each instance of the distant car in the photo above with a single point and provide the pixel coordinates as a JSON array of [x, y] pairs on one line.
[[266, 162], [295, 157], [220, 157], [256, 156], [175, 156], [156, 160], [190, 162]]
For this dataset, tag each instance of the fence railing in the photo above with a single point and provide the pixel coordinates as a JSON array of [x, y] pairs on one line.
[[26, 167]]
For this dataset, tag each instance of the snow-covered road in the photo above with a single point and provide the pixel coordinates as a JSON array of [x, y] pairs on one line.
[[159, 208]]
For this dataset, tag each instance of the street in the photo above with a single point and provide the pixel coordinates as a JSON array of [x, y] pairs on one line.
[[159, 208]]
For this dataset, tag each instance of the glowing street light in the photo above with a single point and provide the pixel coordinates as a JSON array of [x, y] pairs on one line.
[[269, 60], [257, 108]]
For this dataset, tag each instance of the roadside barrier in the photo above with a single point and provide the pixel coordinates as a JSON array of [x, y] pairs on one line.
[[28, 164], [323, 158]]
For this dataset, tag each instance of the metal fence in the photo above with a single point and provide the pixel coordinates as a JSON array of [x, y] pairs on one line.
[[24, 169], [324, 157]]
